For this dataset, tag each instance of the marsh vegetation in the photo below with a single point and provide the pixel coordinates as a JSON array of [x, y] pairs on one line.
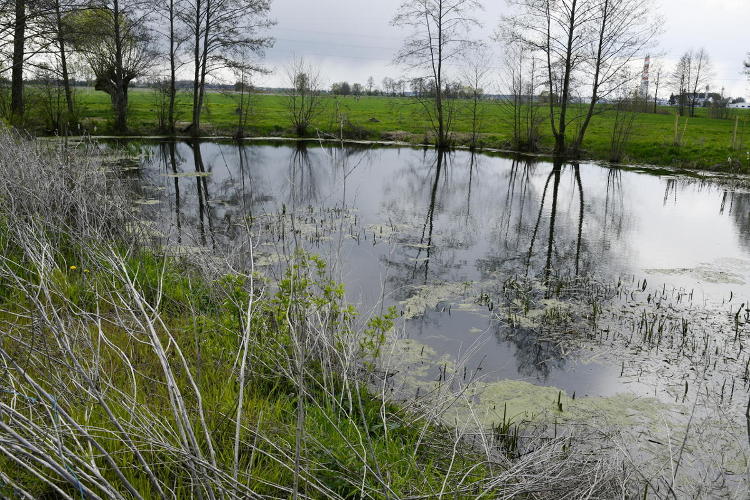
[[520, 287], [307, 320]]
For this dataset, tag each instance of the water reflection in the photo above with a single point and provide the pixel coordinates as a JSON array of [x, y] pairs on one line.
[[169, 157], [303, 177], [425, 240], [740, 211], [613, 207], [408, 218]]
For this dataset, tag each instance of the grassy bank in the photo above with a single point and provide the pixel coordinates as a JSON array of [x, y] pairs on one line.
[[129, 372], [706, 143]]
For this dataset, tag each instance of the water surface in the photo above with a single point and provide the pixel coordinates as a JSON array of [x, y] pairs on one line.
[[402, 223]]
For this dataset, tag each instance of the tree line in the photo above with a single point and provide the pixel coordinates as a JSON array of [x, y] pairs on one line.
[[115, 42]]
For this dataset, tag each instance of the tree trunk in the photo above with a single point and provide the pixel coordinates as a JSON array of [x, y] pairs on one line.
[[119, 97], [550, 80], [581, 209], [595, 85], [196, 125], [203, 69], [172, 70], [64, 63], [442, 139], [120, 86], [560, 147], [19, 42]]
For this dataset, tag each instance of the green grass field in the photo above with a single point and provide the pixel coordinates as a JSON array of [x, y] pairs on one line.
[[706, 144]]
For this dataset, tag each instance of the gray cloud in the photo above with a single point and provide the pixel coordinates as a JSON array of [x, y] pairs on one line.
[[351, 40]]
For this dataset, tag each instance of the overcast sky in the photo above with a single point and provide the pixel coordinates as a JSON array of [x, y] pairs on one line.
[[353, 39]]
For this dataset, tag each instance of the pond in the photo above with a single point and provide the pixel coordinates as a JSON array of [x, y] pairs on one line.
[[582, 278], [411, 219]]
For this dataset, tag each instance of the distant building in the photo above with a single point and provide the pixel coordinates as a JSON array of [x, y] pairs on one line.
[[739, 105], [702, 99]]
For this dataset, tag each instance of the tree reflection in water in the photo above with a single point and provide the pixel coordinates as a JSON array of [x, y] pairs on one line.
[[425, 240], [446, 218], [204, 209], [170, 160], [302, 178], [536, 356], [739, 208]]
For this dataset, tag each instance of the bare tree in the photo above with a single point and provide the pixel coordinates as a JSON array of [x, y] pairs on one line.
[[171, 29], [586, 43], [58, 34], [389, 86], [35, 29], [691, 74], [657, 83], [440, 34], [303, 103], [370, 85], [475, 76], [701, 75], [680, 80], [220, 30], [522, 81], [624, 29], [243, 70], [561, 30]]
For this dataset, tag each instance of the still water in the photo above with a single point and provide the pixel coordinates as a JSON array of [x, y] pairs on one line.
[[418, 230]]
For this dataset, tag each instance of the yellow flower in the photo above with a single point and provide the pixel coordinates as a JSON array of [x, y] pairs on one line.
[[85, 270], [73, 268]]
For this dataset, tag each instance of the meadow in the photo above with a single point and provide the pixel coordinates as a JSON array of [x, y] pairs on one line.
[[704, 142]]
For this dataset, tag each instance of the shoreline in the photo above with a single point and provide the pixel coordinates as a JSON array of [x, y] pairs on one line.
[[653, 168]]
